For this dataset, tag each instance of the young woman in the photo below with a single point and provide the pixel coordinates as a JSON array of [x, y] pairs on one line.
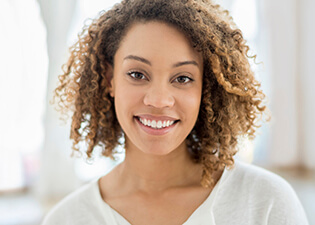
[[173, 79]]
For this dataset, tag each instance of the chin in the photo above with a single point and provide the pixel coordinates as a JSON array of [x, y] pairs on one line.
[[159, 150]]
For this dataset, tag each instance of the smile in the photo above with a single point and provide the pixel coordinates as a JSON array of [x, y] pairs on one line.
[[156, 124], [156, 127]]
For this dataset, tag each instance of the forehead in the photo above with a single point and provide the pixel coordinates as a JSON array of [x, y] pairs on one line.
[[157, 40]]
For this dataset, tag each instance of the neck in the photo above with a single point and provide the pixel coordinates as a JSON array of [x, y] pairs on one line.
[[155, 173]]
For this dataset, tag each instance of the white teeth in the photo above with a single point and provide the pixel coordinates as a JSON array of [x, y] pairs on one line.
[[156, 124]]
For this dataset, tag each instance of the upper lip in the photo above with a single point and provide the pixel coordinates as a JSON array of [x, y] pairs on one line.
[[155, 117]]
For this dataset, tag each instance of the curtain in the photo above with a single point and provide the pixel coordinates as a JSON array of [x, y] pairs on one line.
[[284, 43], [288, 30], [23, 80], [56, 177]]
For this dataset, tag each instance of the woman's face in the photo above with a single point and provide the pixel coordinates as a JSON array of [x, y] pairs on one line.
[[157, 79]]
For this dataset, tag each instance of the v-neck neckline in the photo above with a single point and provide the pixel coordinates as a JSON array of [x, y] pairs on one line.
[[202, 213]]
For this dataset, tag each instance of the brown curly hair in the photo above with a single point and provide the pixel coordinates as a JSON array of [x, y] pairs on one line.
[[232, 102]]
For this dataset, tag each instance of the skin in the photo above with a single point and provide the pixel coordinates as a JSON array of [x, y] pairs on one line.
[[151, 75]]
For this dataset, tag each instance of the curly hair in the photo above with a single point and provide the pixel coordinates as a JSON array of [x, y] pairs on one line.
[[232, 102]]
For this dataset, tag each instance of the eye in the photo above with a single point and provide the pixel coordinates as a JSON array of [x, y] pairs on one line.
[[183, 79], [136, 75]]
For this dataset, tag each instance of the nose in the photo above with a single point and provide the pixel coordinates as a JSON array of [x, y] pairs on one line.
[[159, 97]]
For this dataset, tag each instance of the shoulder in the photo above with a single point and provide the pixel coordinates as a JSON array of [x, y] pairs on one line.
[[260, 195], [79, 207], [256, 179]]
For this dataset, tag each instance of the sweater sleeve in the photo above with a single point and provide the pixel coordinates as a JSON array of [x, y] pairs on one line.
[[252, 195], [285, 206], [82, 207]]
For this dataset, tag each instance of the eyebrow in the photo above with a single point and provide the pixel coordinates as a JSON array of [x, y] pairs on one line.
[[138, 58], [141, 59]]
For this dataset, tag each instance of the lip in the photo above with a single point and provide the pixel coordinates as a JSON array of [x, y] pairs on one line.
[[152, 131], [156, 118]]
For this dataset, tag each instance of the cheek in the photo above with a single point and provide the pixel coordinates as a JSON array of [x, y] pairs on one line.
[[128, 95], [194, 104], [127, 100], [190, 103], [193, 98]]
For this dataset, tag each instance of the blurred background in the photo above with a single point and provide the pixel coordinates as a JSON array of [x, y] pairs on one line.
[[36, 169]]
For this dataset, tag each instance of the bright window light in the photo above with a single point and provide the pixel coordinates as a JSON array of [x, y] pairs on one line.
[[23, 82]]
